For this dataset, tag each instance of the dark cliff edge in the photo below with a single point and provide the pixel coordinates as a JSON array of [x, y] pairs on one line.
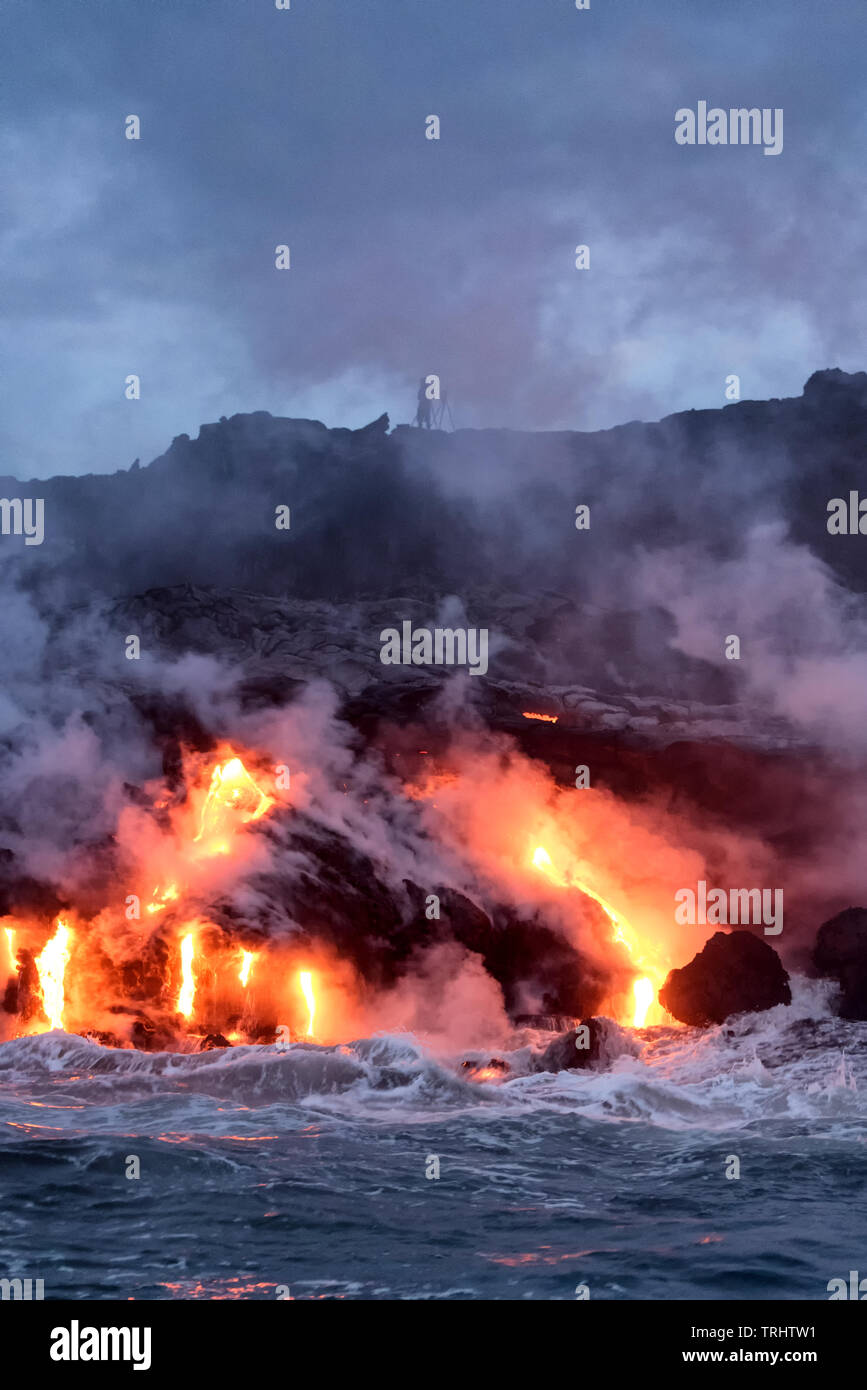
[[373, 513]]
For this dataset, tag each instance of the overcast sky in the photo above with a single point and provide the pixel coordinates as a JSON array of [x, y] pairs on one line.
[[410, 256]]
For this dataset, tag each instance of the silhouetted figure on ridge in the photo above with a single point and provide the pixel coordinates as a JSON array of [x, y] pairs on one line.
[[423, 414]]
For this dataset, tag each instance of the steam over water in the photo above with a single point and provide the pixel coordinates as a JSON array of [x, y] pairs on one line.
[[305, 1167]]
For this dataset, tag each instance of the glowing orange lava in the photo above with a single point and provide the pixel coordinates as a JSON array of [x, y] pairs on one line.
[[547, 718], [220, 799], [542, 860], [160, 900], [645, 995], [232, 795], [247, 958], [188, 984], [305, 980], [643, 987], [51, 966]]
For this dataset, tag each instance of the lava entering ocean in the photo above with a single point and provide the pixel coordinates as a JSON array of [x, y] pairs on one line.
[[166, 966], [644, 988], [58, 975]]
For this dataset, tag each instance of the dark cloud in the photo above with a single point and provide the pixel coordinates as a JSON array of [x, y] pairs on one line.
[[409, 256]]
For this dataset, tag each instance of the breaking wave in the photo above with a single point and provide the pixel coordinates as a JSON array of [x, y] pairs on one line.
[[796, 1066]]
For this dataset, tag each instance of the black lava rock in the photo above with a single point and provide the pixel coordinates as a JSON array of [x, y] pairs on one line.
[[840, 954], [735, 973], [593, 1044]]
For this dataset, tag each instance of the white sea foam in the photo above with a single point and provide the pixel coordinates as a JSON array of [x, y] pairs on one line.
[[795, 1065]]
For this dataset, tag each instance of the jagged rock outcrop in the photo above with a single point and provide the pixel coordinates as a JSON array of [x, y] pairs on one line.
[[593, 1045], [421, 514], [333, 894], [734, 973], [840, 954]]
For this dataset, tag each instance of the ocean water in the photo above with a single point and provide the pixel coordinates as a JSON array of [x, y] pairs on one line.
[[305, 1169]]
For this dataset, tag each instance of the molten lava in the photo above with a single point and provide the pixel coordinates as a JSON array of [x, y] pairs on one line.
[[188, 985], [643, 988], [305, 980], [161, 899], [62, 984], [191, 969], [547, 718], [542, 860], [232, 796], [51, 966], [247, 958], [645, 995]]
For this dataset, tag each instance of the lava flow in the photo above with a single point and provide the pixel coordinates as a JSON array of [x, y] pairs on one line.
[[152, 947], [232, 794], [644, 990], [247, 959], [51, 967], [305, 979], [188, 985], [158, 968]]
